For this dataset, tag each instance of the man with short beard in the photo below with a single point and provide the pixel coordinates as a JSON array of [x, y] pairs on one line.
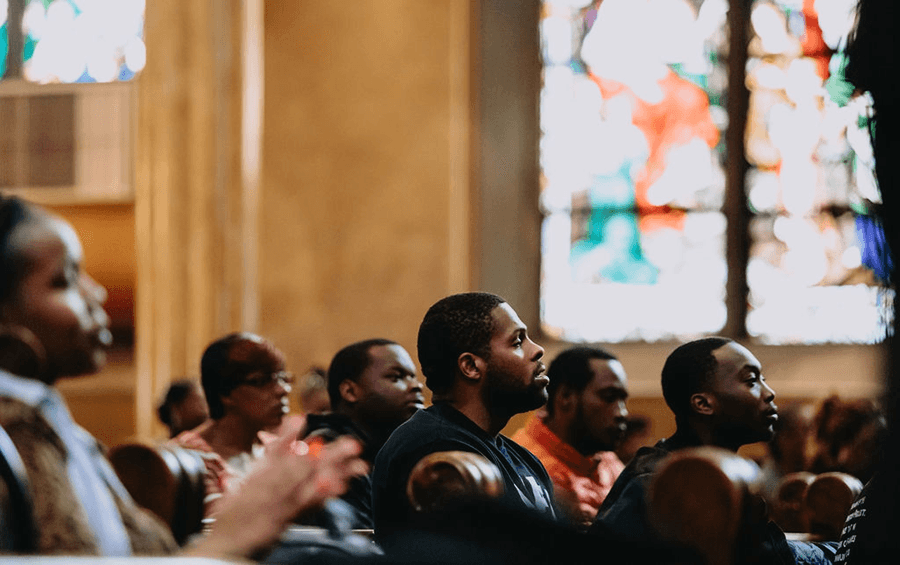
[[717, 391], [482, 369], [585, 420]]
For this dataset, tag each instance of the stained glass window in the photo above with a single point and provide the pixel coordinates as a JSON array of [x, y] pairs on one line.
[[633, 115], [4, 37], [71, 41]]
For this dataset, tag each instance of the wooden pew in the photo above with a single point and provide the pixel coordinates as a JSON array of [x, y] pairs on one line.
[[166, 479], [788, 509], [702, 498], [450, 476], [814, 507], [827, 503]]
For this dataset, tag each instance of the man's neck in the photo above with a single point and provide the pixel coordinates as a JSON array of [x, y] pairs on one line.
[[698, 435], [562, 430], [374, 436], [479, 413]]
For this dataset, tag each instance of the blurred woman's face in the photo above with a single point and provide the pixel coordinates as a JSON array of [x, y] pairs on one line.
[[56, 301], [262, 399]]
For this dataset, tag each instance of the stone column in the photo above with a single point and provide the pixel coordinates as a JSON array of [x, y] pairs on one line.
[[196, 186]]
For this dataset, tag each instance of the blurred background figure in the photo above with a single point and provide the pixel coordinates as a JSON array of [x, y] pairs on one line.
[[183, 407], [849, 437], [247, 390], [312, 391], [790, 450], [585, 420]]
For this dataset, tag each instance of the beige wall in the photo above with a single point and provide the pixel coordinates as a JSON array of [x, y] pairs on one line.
[[365, 198]]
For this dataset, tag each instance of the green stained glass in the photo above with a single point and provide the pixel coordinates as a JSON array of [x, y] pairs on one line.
[[4, 49], [28, 49]]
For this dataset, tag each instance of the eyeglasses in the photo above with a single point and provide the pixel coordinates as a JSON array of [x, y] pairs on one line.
[[262, 380]]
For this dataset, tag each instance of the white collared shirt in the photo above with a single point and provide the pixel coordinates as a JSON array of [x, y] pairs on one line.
[[93, 479]]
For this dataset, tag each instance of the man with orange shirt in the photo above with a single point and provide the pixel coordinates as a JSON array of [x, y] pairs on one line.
[[585, 419]]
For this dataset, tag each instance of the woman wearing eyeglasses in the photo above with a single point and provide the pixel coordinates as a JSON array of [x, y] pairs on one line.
[[247, 389]]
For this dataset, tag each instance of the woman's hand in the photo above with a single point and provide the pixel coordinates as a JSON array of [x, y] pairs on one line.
[[288, 480]]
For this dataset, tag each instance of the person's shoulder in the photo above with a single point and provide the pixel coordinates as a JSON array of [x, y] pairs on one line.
[[647, 460], [426, 432], [26, 425], [191, 439], [425, 425]]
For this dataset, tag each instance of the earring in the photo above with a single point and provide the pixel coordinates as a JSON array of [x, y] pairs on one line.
[[21, 353]]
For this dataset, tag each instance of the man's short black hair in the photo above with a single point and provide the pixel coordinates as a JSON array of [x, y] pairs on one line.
[[688, 370], [349, 363], [229, 360], [572, 368], [457, 324]]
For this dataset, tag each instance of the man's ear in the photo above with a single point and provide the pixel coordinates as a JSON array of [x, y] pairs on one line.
[[471, 366], [349, 391], [565, 399], [227, 400], [703, 403]]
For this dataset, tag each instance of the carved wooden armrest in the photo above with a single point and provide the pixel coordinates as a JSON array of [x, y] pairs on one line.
[[446, 477], [828, 500], [167, 480], [702, 497]]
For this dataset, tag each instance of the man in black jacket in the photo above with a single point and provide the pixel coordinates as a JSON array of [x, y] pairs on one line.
[[373, 388], [716, 389], [482, 368]]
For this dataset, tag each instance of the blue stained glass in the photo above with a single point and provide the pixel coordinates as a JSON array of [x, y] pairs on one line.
[[876, 254]]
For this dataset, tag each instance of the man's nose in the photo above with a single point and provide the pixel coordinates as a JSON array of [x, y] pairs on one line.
[[539, 351], [769, 392], [414, 384]]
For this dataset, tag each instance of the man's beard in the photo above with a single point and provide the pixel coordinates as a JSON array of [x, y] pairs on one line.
[[587, 443], [503, 396]]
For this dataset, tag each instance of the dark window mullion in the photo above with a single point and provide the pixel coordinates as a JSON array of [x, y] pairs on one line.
[[15, 39], [737, 250]]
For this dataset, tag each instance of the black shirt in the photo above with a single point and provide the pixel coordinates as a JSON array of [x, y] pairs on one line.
[[329, 427], [443, 428]]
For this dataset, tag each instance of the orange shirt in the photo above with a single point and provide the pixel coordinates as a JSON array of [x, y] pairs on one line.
[[580, 483]]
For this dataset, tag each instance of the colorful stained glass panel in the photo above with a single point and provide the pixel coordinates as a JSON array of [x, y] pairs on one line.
[[83, 40], [631, 156]]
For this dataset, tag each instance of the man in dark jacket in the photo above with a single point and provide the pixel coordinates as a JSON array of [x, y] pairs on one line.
[[719, 396], [373, 388], [482, 368]]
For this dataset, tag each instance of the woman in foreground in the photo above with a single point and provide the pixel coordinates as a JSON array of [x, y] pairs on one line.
[[53, 326]]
